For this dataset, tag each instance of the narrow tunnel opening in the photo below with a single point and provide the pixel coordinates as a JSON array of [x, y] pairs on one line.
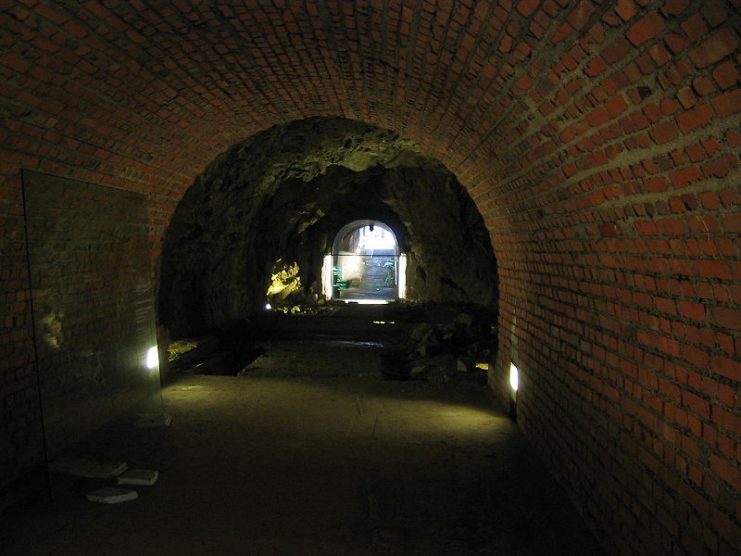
[[599, 140], [323, 211]]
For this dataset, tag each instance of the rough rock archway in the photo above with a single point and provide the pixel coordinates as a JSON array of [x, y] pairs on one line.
[[283, 195], [598, 140]]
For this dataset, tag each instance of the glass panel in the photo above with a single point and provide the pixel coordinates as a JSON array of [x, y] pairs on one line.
[[92, 298]]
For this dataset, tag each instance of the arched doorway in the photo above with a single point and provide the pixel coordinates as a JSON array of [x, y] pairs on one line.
[[365, 265]]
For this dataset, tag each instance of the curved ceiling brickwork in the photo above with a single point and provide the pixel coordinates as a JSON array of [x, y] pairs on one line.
[[599, 140]]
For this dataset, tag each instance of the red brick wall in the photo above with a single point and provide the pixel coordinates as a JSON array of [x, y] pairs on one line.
[[599, 140]]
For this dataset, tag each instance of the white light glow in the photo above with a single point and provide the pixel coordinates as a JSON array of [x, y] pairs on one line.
[[350, 267], [514, 377], [153, 358], [327, 277], [366, 301], [402, 278], [376, 238], [268, 306]]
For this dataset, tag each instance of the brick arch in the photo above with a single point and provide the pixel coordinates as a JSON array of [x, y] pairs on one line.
[[598, 140]]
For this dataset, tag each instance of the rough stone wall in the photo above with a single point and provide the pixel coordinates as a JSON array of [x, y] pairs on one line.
[[599, 140], [285, 193]]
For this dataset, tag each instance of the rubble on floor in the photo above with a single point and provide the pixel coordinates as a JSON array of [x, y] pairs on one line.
[[420, 341], [452, 348]]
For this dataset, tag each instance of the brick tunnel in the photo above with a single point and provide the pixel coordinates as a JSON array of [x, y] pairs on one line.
[[597, 141]]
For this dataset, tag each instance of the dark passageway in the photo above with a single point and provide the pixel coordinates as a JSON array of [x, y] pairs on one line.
[[561, 178], [281, 199]]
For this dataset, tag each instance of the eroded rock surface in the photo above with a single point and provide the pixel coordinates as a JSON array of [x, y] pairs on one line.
[[284, 194]]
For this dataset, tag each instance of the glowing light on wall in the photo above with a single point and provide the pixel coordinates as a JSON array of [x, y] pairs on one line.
[[402, 278], [153, 358], [514, 377], [327, 277], [351, 267], [268, 306], [375, 237]]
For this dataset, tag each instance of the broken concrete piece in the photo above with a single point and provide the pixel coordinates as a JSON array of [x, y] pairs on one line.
[[142, 477], [419, 371], [112, 495], [153, 420], [428, 345], [86, 468], [419, 331]]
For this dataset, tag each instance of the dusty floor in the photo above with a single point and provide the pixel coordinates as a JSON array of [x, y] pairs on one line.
[[314, 453]]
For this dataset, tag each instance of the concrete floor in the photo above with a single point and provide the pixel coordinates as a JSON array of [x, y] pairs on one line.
[[297, 459]]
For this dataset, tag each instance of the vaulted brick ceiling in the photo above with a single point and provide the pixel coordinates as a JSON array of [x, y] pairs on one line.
[[599, 141], [515, 99]]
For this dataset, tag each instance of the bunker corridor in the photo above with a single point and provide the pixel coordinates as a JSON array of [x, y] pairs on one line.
[[561, 180]]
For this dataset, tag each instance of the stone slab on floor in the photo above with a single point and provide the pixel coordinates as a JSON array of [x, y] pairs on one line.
[[112, 495], [138, 477]]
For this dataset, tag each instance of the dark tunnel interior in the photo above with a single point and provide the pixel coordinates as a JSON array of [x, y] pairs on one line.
[[189, 282], [279, 199]]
